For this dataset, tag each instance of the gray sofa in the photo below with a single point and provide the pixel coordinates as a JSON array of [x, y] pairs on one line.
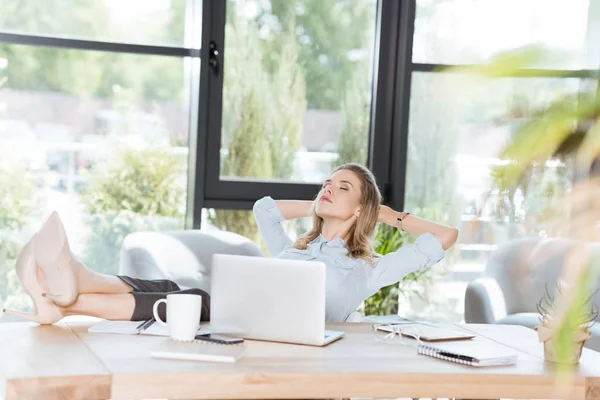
[[515, 280], [184, 257]]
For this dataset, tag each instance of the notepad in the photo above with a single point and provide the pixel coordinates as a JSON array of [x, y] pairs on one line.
[[198, 350], [149, 327], [477, 354]]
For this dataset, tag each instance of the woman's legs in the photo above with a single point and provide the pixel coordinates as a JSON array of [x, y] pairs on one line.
[[134, 306], [90, 281], [93, 282], [65, 286], [116, 307], [121, 298]]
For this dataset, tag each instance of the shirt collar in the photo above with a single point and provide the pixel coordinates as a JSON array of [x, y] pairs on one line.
[[339, 242]]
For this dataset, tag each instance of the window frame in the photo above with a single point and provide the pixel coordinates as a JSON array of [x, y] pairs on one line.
[[390, 106], [241, 193]]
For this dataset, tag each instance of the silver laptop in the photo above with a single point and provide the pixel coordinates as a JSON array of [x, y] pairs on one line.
[[269, 299]]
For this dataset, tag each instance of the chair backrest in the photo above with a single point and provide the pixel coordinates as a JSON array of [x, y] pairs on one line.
[[184, 257], [523, 268]]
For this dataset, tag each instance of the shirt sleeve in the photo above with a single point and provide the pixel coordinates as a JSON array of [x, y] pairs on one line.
[[391, 268], [268, 218]]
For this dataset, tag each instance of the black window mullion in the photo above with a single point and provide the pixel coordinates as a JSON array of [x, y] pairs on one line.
[[400, 127], [382, 106], [83, 44], [239, 189], [208, 137], [213, 186]]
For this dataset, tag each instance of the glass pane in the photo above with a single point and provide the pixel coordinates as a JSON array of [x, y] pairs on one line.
[[471, 31], [101, 138], [454, 141], [296, 96], [157, 22]]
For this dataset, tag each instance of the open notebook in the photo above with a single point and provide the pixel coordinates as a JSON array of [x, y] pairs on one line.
[[149, 327], [477, 354], [198, 350]]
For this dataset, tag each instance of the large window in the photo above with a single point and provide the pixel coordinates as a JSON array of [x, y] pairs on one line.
[[101, 137], [457, 129], [297, 87], [297, 84], [449, 171]]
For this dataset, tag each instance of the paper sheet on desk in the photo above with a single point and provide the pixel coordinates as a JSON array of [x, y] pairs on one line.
[[133, 328]]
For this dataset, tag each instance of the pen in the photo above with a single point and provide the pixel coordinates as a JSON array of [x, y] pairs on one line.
[[145, 325], [141, 324], [149, 324]]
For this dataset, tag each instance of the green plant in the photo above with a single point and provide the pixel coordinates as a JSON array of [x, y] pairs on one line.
[[133, 190]]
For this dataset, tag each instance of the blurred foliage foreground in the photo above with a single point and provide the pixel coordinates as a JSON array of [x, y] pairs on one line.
[[565, 130]]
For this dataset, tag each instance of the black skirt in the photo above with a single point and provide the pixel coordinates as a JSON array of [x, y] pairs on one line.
[[147, 292]]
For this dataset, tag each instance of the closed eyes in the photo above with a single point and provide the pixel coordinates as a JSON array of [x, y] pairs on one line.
[[328, 182]]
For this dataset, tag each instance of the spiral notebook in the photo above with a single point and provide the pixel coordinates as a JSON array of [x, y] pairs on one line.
[[476, 354], [199, 350]]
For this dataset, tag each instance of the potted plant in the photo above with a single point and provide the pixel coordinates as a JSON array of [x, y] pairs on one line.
[[582, 315]]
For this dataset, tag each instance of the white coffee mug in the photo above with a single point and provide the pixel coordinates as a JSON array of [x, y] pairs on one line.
[[183, 315]]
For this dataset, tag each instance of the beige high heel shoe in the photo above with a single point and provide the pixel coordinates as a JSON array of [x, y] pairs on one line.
[[53, 255], [44, 310]]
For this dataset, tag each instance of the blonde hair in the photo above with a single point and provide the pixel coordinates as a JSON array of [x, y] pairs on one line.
[[360, 236]]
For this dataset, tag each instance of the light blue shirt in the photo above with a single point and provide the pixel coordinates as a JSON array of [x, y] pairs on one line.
[[349, 281]]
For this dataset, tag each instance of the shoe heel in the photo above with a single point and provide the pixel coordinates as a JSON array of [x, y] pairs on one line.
[[40, 318], [29, 316]]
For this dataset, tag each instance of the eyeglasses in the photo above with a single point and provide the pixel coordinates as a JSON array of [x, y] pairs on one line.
[[394, 334]]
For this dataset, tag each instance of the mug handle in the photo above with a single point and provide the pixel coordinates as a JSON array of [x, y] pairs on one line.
[[155, 311]]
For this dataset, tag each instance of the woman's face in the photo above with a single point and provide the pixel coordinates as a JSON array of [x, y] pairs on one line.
[[340, 196]]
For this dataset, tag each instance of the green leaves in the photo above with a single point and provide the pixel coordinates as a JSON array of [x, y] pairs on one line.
[[143, 182], [385, 302]]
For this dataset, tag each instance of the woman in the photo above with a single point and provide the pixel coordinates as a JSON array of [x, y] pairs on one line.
[[345, 213]]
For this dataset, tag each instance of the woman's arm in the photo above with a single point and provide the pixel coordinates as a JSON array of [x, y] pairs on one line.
[[414, 225], [268, 218], [292, 209]]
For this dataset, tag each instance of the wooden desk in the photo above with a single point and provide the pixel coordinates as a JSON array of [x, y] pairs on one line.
[[67, 362]]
